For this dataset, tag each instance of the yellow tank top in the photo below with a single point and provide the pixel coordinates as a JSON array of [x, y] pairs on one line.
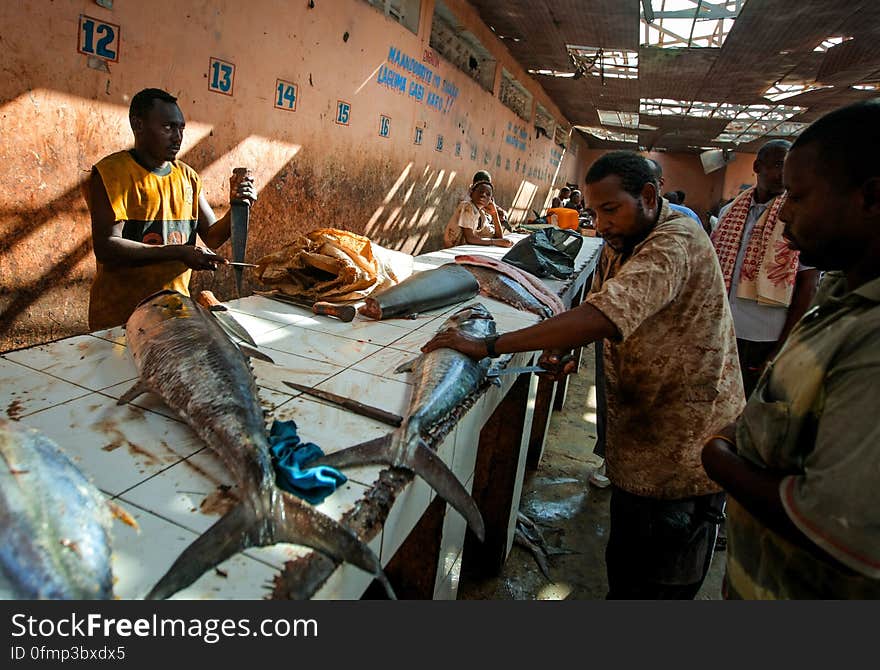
[[156, 209]]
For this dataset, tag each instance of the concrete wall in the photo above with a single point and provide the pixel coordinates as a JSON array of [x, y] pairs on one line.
[[685, 172], [737, 174], [63, 110]]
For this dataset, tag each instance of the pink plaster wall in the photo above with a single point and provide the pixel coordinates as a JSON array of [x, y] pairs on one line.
[[58, 116]]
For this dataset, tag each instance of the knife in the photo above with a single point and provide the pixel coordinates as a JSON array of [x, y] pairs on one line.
[[209, 301], [342, 312], [239, 215], [352, 405], [527, 368]]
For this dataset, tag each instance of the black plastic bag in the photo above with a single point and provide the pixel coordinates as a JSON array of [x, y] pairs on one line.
[[549, 252]]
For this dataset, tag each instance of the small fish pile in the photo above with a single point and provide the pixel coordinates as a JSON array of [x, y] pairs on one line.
[[505, 283], [184, 357], [443, 380], [55, 538]]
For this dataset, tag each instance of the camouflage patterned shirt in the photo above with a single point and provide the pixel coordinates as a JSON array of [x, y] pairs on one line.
[[672, 378]]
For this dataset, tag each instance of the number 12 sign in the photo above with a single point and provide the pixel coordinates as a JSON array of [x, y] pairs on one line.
[[98, 38]]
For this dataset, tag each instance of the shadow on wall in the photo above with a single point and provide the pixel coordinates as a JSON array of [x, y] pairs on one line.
[[46, 263]]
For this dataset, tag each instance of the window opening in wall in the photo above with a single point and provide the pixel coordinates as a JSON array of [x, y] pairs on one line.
[[461, 47], [405, 12], [515, 96], [544, 124], [560, 136]]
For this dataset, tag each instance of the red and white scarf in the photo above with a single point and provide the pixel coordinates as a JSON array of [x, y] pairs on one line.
[[769, 269]]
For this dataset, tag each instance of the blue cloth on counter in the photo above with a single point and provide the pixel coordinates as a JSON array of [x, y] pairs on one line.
[[289, 454]]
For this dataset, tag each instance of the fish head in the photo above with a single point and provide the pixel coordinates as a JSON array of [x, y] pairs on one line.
[[469, 313], [155, 310]]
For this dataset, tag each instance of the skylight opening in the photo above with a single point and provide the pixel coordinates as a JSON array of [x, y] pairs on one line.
[[833, 41], [688, 23], [599, 62], [781, 91], [553, 73], [609, 135], [866, 87]]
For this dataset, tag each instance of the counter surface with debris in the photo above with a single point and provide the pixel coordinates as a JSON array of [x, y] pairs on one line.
[[151, 463]]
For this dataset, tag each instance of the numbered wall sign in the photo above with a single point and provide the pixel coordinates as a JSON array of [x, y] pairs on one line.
[[221, 76], [343, 112], [98, 38], [418, 137], [384, 126], [439, 146], [286, 95]]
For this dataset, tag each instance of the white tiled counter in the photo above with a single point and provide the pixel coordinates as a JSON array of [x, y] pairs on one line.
[[153, 464]]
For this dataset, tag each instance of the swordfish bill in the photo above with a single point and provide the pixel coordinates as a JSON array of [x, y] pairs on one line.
[[184, 357], [443, 379]]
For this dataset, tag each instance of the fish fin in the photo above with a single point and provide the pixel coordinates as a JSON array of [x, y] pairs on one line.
[[430, 467], [290, 520], [251, 352], [120, 513], [407, 366], [229, 535], [372, 452], [132, 393], [422, 461]]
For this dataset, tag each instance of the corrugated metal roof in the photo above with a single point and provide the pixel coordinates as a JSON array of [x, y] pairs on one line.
[[771, 41]]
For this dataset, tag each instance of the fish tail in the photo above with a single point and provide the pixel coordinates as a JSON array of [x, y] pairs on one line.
[[398, 450], [289, 520]]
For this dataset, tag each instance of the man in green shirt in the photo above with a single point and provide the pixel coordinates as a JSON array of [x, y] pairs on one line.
[[801, 465]]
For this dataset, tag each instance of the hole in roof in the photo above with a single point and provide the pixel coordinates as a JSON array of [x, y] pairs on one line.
[[688, 23], [832, 41]]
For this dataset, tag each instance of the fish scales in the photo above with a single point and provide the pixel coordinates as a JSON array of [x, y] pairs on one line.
[[507, 290], [54, 523], [184, 356], [444, 379]]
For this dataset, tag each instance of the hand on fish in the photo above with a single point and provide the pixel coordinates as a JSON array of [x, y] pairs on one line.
[[473, 347], [557, 363], [200, 258]]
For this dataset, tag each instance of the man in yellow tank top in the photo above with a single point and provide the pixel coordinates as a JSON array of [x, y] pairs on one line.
[[147, 208]]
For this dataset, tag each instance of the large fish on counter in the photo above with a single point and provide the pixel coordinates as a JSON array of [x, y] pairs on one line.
[[54, 524], [443, 379], [184, 357], [506, 283]]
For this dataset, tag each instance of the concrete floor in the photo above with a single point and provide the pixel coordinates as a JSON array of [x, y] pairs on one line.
[[571, 513]]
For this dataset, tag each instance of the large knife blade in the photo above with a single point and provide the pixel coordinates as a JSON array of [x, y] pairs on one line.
[[209, 301], [342, 312], [352, 405], [239, 216]]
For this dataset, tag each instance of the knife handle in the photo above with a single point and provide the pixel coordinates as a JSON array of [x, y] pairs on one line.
[[342, 312], [209, 301]]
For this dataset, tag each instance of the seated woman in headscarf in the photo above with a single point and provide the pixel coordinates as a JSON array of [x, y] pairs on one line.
[[471, 223]]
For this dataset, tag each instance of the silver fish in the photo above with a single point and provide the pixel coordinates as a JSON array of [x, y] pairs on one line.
[[54, 524], [184, 357], [506, 289], [444, 378]]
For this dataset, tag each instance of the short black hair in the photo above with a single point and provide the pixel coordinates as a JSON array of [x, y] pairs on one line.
[[658, 169], [634, 171], [681, 196], [767, 147], [142, 102], [481, 175], [847, 140]]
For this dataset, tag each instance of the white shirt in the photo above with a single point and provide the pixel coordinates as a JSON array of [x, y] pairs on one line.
[[751, 320]]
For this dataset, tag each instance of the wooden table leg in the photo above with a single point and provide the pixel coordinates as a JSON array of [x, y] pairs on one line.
[[540, 421], [498, 476]]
